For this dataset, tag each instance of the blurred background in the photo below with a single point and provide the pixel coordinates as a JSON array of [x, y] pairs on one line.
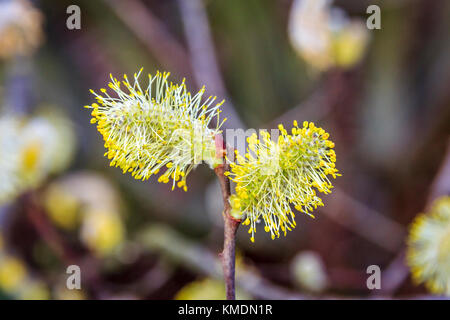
[[383, 94]]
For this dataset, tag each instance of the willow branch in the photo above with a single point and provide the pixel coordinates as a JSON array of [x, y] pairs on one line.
[[228, 255]]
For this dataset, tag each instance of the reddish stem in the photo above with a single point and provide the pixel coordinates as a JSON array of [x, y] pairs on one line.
[[228, 255]]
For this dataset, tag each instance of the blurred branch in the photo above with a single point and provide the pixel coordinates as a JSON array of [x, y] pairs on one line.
[[364, 221], [149, 282], [92, 57], [19, 93], [5, 215], [154, 279], [334, 98], [202, 55], [152, 32], [45, 229], [441, 184], [393, 276], [313, 108]]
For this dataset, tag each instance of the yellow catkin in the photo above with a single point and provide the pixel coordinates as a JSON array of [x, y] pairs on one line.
[[428, 251], [278, 174], [160, 127]]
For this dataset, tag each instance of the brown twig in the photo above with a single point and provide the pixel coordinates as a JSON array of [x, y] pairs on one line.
[[228, 255]]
